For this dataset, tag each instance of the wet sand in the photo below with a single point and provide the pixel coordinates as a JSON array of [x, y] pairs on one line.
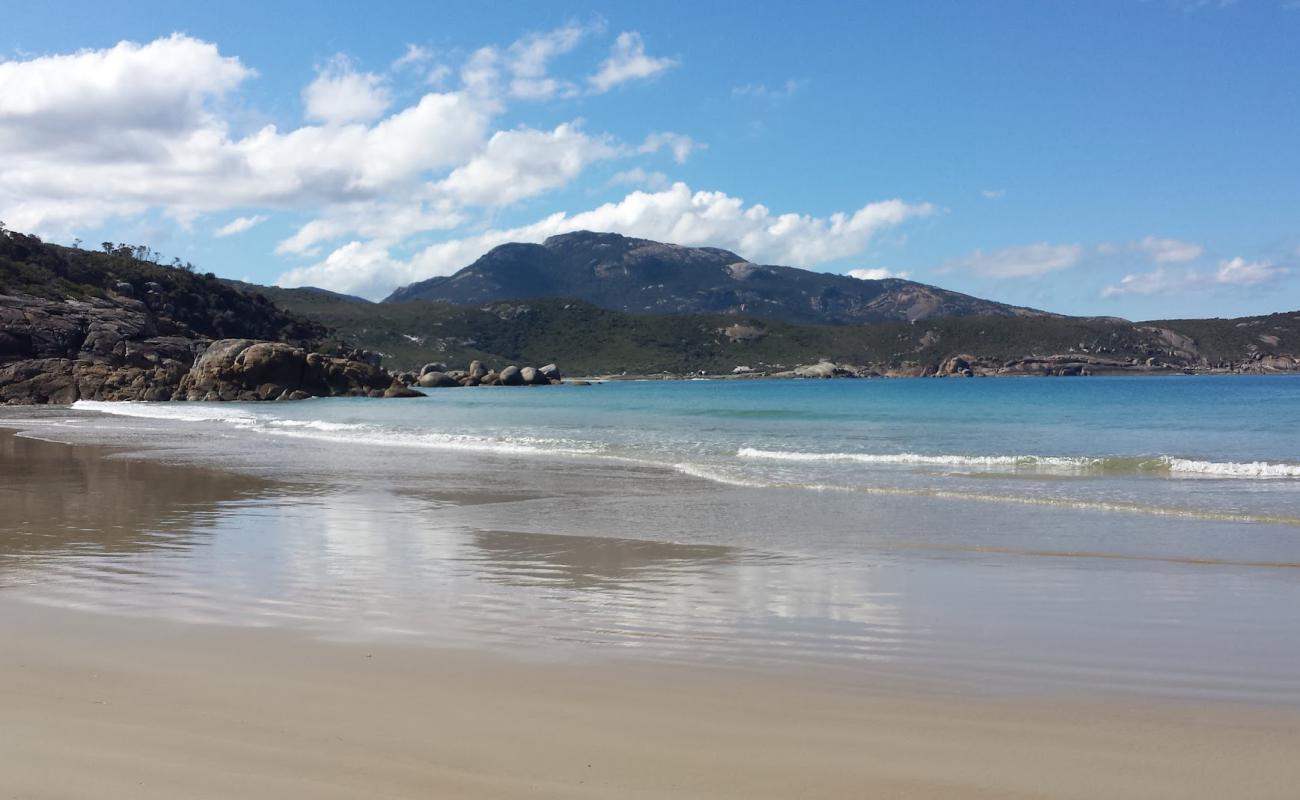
[[110, 708], [136, 704]]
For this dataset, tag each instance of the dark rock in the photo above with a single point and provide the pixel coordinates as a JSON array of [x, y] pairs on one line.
[[435, 380], [551, 371], [436, 366], [398, 390], [511, 376], [243, 369]]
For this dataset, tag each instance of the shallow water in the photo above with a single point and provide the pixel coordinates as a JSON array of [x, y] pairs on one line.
[[627, 519]]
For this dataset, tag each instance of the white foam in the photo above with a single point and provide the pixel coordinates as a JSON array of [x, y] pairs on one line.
[[1231, 469], [342, 432], [917, 459], [188, 412], [315, 424]]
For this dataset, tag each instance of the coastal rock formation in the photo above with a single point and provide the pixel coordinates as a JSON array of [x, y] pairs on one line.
[[479, 374], [116, 348], [243, 369]]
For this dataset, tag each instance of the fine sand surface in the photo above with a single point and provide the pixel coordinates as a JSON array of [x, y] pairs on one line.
[[100, 707]]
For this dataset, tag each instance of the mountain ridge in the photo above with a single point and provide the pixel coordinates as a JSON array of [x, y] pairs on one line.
[[623, 273]]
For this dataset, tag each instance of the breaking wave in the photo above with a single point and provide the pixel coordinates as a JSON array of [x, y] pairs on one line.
[[1113, 465]]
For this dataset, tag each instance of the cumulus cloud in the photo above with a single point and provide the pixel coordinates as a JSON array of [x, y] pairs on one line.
[[340, 94], [514, 165], [524, 163], [627, 62], [239, 225], [116, 132], [675, 215], [1231, 272], [1023, 261], [877, 274]]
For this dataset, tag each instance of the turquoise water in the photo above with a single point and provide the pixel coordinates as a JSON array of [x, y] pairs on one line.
[[1215, 447]]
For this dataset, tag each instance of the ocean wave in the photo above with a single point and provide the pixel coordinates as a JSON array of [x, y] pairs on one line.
[[1109, 465], [168, 411], [469, 443], [344, 432], [917, 459], [1231, 469]]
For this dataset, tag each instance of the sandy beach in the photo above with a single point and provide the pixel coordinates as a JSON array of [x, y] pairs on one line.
[[178, 630], [108, 708]]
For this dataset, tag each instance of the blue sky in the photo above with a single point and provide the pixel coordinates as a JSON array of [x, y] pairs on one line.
[[1127, 158]]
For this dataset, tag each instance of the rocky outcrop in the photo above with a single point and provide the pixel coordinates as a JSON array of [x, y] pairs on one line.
[[116, 348], [479, 374], [243, 369]]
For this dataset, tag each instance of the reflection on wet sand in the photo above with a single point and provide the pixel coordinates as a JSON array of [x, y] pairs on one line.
[[58, 499], [586, 562], [524, 567]]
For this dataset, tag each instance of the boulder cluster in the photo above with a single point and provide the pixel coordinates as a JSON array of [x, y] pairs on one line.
[[117, 349], [438, 376]]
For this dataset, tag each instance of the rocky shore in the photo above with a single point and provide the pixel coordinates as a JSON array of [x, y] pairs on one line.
[[119, 348], [438, 376]]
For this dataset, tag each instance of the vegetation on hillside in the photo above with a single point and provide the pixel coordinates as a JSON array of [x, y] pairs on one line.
[[584, 338], [201, 303]]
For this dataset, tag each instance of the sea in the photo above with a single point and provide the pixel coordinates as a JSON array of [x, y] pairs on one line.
[[1127, 534]]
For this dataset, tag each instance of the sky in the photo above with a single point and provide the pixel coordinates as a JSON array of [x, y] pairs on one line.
[[1131, 158]]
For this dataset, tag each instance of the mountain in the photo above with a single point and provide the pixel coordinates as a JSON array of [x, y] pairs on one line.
[[639, 276]]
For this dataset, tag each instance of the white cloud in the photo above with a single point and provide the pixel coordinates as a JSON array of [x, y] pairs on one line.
[[877, 274], [627, 62], [1170, 251], [1231, 272], [679, 144], [675, 215], [161, 86], [353, 265], [638, 176], [239, 225], [513, 166], [1024, 261], [114, 133], [415, 55], [438, 75], [1158, 281], [1240, 272], [340, 94], [523, 163], [993, 194], [530, 56], [761, 92]]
